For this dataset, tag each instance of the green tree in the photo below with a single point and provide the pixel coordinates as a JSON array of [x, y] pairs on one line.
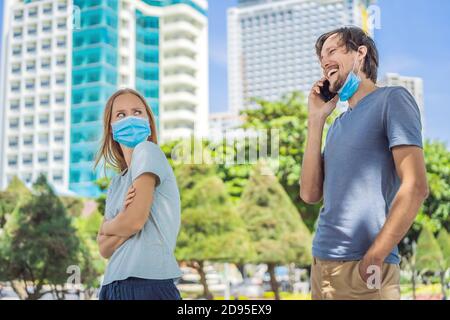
[[38, 244], [14, 193], [73, 205], [275, 227], [211, 228], [289, 116], [435, 212], [443, 239], [436, 208], [429, 255], [92, 265], [103, 184]]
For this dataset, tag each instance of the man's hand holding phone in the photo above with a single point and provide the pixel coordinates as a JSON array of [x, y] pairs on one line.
[[318, 107]]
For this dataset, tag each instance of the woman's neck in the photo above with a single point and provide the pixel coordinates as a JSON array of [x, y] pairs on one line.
[[127, 153]]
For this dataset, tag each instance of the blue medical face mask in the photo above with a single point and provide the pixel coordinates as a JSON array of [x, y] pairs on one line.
[[350, 86], [131, 131]]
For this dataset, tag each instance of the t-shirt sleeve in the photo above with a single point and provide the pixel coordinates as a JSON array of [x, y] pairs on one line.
[[107, 213], [402, 119], [148, 157]]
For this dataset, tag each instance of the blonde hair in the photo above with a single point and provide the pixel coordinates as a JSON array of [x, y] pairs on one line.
[[110, 149]]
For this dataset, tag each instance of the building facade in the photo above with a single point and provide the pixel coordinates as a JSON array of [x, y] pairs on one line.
[[62, 59], [271, 45]]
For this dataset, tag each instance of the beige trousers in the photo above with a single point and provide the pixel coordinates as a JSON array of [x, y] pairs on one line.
[[340, 280]]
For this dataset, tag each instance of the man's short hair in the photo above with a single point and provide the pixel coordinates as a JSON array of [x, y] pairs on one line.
[[352, 38]]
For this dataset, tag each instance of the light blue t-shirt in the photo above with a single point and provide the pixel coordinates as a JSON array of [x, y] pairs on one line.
[[149, 254], [360, 179]]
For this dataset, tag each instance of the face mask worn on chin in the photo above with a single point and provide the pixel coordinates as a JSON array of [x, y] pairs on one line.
[[350, 86], [131, 131]]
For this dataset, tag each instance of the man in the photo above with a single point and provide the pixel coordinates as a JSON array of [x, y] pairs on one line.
[[371, 173]]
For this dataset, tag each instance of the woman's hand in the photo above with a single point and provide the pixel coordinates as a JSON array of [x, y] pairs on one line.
[[130, 197]]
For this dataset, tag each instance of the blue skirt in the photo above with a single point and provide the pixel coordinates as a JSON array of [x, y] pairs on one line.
[[140, 289]]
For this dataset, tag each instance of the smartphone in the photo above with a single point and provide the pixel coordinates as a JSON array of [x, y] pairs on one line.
[[325, 92]]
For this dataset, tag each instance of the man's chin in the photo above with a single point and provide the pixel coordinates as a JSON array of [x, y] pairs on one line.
[[335, 87]]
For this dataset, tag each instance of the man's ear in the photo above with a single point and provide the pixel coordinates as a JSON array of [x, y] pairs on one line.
[[362, 51]]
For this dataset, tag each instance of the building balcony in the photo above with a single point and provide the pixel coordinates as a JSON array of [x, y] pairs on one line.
[[178, 44], [180, 26], [178, 116], [178, 133], [179, 98], [182, 78], [179, 61]]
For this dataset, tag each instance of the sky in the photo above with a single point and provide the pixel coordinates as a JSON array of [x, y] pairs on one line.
[[414, 40]]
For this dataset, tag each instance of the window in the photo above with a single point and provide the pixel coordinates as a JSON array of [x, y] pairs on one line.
[[45, 82], [17, 33], [15, 86], [59, 137], [45, 63], [59, 118], [31, 66], [46, 26], [62, 6], [57, 176], [27, 159], [32, 29], [29, 84], [61, 24], [124, 42], [45, 100], [13, 142], [29, 103], [12, 161], [46, 45], [17, 50], [60, 80], [43, 158], [31, 47], [15, 68], [14, 123], [28, 141], [43, 138], [27, 177], [18, 15], [61, 42], [43, 119], [60, 99], [14, 105], [28, 121], [61, 61], [32, 12], [47, 8], [58, 156]]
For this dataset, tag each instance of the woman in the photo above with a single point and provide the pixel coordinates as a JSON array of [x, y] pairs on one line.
[[142, 211]]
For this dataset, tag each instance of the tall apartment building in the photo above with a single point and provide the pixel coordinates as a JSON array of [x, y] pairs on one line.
[[225, 124], [271, 44], [62, 59], [413, 84]]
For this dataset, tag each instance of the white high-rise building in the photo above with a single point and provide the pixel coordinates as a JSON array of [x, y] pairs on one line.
[[62, 59], [222, 124], [183, 62], [413, 84], [271, 44], [35, 91]]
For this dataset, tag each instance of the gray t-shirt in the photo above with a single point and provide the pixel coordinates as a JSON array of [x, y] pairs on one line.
[[149, 253], [360, 179]]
